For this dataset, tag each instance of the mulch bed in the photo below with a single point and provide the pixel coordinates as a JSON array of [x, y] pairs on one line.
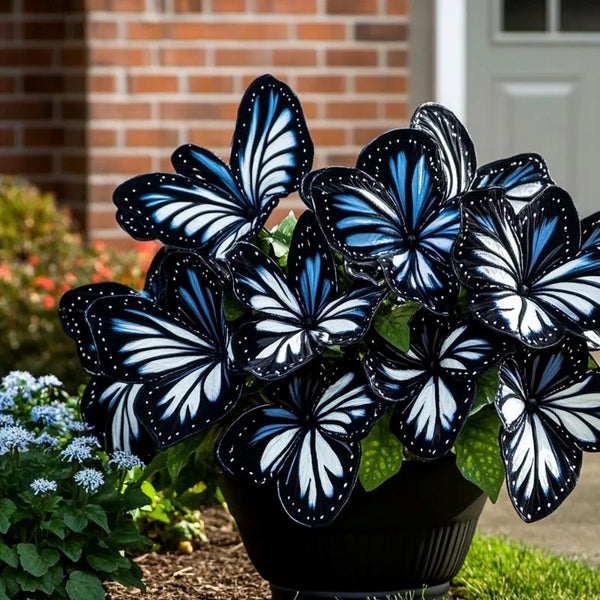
[[219, 570]]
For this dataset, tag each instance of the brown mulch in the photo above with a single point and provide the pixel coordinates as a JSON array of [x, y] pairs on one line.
[[219, 570]]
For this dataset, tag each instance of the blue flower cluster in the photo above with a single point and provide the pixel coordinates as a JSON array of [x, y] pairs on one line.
[[80, 449], [14, 437], [125, 460], [43, 486], [89, 479]]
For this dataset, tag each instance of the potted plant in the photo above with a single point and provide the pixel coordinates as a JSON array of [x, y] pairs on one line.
[[420, 334]]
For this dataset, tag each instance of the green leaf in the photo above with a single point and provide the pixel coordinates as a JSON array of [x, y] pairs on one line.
[[7, 509], [51, 579], [391, 323], [125, 535], [84, 586], [382, 454], [487, 387], [3, 594], [55, 526], [134, 497], [96, 514], [9, 555], [34, 562], [149, 490], [179, 454], [70, 547], [75, 520], [478, 452], [131, 577], [106, 561], [28, 582], [280, 236]]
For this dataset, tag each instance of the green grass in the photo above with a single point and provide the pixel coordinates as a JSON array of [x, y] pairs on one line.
[[499, 569]]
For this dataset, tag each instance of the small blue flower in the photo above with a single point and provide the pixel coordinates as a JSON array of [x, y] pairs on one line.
[[89, 479], [79, 426], [6, 401], [48, 415], [49, 381], [19, 383], [6, 420], [80, 449], [43, 486], [125, 460], [14, 437], [46, 439]]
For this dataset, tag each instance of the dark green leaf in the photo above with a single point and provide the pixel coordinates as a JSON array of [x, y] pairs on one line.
[[75, 520], [34, 562], [129, 577], [382, 455], [84, 586], [71, 548], [134, 497], [97, 515], [55, 526], [7, 509], [107, 561], [29, 583], [478, 452], [9, 555], [391, 323], [51, 579], [179, 455], [3, 592], [487, 386], [125, 535]]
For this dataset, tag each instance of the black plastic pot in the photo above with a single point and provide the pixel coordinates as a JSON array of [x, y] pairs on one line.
[[409, 536]]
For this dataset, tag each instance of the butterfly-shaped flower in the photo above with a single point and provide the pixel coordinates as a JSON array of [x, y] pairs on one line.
[[170, 355], [549, 404], [590, 238], [392, 210], [307, 440], [432, 385], [526, 274], [208, 205], [522, 176], [298, 315]]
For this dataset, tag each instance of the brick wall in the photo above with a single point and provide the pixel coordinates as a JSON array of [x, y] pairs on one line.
[[165, 72]]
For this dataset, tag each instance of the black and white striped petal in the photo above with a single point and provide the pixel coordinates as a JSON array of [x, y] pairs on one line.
[[306, 441]]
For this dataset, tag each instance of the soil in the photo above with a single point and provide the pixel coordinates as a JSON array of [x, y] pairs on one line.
[[220, 570]]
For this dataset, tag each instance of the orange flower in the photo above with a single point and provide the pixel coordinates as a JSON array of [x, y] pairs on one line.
[[34, 259], [44, 282], [5, 272], [49, 302]]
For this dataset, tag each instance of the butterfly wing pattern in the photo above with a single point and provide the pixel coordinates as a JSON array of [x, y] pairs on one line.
[[525, 274], [306, 442], [298, 314], [432, 385], [209, 206], [392, 209], [549, 405]]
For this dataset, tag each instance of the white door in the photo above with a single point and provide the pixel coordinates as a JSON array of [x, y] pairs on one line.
[[533, 85]]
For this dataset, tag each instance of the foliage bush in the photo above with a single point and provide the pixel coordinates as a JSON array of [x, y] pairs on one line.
[[64, 520], [40, 258]]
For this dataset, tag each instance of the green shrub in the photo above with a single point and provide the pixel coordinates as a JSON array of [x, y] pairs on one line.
[[40, 258], [64, 506]]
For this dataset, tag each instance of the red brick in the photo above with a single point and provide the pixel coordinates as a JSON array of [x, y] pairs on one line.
[[363, 135], [242, 57], [129, 165], [328, 136], [25, 164], [101, 137], [75, 135], [211, 138], [397, 58], [120, 110], [229, 31], [7, 83], [16, 109], [397, 7], [149, 84], [25, 57], [101, 30], [375, 84], [182, 57], [352, 7], [57, 6], [210, 84], [73, 57], [321, 31], [100, 219], [396, 110], [102, 84], [101, 192], [351, 57], [351, 110], [8, 31], [187, 6], [286, 6], [294, 57], [54, 83], [198, 110], [342, 159], [228, 6], [120, 57], [74, 163], [73, 110], [116, 5], [44, 30], [153, 137], [43, 136], [7, 137], [145, 31], [321, 84], [380, 32]]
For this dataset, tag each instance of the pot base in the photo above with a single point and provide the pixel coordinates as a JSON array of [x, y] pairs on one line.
[[436, 592]]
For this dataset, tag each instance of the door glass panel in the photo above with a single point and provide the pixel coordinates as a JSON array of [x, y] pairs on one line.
[[579, 15], [525, 15]]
